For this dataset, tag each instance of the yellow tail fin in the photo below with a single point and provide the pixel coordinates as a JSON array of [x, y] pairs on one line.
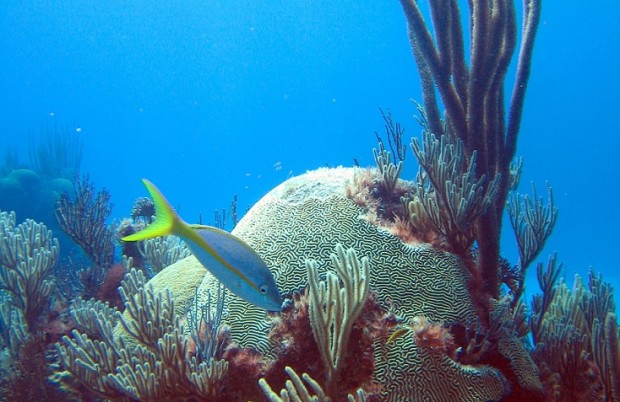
[[166, 220]]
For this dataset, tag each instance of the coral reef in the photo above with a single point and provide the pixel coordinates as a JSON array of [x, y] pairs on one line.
[[576, 336], [396, 321], [306, 216], [157, 368], [427, 375], [333, 310], [20, 187], [296, 390], [32, 188], [471, 88], [28, 255], [416, 310]]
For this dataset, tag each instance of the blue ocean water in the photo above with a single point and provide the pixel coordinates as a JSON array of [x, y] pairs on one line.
[[214, 98]]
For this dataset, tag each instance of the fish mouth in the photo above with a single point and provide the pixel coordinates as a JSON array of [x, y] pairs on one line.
[[275, 307]]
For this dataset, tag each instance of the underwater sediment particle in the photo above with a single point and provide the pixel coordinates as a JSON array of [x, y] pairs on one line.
[[303, 218]]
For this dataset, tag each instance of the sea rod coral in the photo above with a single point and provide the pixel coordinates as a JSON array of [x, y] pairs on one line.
[[471, 89]]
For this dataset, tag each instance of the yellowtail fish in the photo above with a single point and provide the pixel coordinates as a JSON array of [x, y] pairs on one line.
[[227, 257]]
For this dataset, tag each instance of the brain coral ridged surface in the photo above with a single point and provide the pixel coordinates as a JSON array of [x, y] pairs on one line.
[[304, 218], [419, 375]]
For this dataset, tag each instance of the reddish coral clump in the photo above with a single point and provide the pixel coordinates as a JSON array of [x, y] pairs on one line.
[[245, 367], [298, 349], [373, 322], [402, 229], [432, 336], [359, 189], [108, 291], [293, 332]]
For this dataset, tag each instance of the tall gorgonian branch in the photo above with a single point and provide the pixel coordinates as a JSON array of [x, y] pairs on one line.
[[451, 193], [532, 221], [465, 90]]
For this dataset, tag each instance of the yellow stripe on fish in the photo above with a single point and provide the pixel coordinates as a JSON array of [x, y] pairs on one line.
[[228, 258]]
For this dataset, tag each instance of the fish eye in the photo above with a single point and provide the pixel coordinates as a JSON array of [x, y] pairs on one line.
[[263, 289]]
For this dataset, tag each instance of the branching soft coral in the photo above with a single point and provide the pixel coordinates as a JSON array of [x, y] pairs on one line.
[[157, 367], [299, 350]]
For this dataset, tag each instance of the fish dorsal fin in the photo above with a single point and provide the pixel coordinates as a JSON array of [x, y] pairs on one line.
[[224, 233]]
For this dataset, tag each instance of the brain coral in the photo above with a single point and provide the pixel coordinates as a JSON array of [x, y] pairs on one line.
[[303, 218]]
